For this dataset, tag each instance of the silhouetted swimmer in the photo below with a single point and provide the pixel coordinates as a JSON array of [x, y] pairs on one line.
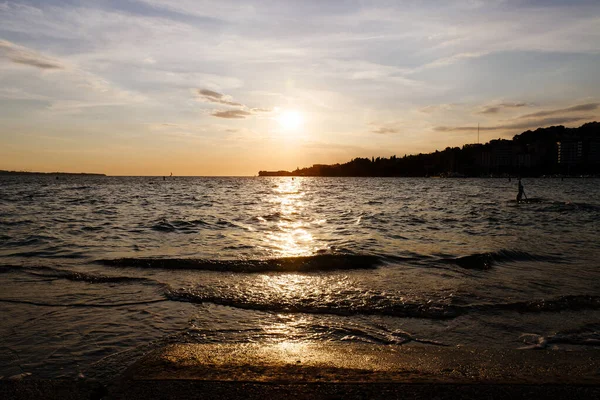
[[164, 179], [521, 191]]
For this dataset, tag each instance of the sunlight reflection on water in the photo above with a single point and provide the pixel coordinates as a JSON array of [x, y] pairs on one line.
[[54, 232], [292, 236]]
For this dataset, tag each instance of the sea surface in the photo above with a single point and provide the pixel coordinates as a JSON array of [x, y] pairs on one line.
[[96, 271]]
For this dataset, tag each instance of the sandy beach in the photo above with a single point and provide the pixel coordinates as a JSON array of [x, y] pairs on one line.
[[312, 371], [361, 363]]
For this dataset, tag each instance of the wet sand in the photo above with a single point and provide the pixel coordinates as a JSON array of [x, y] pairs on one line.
[[312, 371], [294, 362]]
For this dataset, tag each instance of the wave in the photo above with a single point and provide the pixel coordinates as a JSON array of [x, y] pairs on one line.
[[223, 223], [53, 252], [276, 216], [562, 303], [165, 225], [84, 277], [588, 335], [329, 262], [585, 206], [30, 241], [9, 268], [86, 200], [320, 262], [388, 307], [318, 332], [16, 223], [78, 188], [400, 309], [81, 305], [568, 207], [50, 272], [483, 261]]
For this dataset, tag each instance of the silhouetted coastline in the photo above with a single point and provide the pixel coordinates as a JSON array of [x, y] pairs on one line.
[[555, 150], [3, 172]]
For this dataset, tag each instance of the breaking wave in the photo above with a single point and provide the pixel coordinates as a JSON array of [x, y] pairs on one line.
[[84, 277], [484, 261], [165, 225], [378, 305], [320, 262], [75, 276], [330, 262], [587, 335], [81, 305]]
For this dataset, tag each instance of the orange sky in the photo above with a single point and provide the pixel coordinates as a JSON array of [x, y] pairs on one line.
[[151, 87]]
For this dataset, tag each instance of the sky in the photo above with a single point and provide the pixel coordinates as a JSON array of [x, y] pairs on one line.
[[202, 87]]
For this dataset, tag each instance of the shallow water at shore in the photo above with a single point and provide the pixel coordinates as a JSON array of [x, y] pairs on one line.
[[93, 266]]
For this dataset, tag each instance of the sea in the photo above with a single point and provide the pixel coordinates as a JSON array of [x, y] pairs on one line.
[[97, 271]]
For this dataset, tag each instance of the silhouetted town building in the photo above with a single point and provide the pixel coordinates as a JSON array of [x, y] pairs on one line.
[[570, 152], [545, 151]]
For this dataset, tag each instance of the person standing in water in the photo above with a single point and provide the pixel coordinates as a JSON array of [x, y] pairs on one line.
[[521, 191]]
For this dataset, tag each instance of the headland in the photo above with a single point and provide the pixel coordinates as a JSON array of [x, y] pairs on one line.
[[3, 172], [555, 150]]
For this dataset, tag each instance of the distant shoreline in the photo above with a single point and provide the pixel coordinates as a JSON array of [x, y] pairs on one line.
[[552, 151], [2, 172]]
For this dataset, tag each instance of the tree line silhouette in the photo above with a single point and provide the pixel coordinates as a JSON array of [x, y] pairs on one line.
[[555, 150]]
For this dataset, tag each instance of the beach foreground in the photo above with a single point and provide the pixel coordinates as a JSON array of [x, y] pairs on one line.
[[335, 371]]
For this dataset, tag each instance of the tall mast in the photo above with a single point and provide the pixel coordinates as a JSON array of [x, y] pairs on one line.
[[478, 133]]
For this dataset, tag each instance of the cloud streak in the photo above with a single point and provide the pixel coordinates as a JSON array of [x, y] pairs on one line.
[[231, 114], [561, 111], [497, 108], [218, 98], [385, 130], [536, 123], [241, 112], [21, 55], [261, 110]]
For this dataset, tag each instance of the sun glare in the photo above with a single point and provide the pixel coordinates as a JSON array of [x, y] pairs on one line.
[[290, 120]]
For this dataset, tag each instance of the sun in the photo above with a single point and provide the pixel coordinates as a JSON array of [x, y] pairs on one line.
[[290, 120]]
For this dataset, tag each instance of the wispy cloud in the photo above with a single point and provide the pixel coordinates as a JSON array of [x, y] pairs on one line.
[[261, 110], [445, 61], [497, 108], [535, 123], [215, 97], [222, 10], [21, 55], [79, 89], [382, 130], [20, 94], [241, 112], [232, 114], [75, 106], [432, 108], [561, 111], [362, 70]]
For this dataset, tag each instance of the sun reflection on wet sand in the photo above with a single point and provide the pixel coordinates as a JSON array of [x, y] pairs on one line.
[[360, 363]]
